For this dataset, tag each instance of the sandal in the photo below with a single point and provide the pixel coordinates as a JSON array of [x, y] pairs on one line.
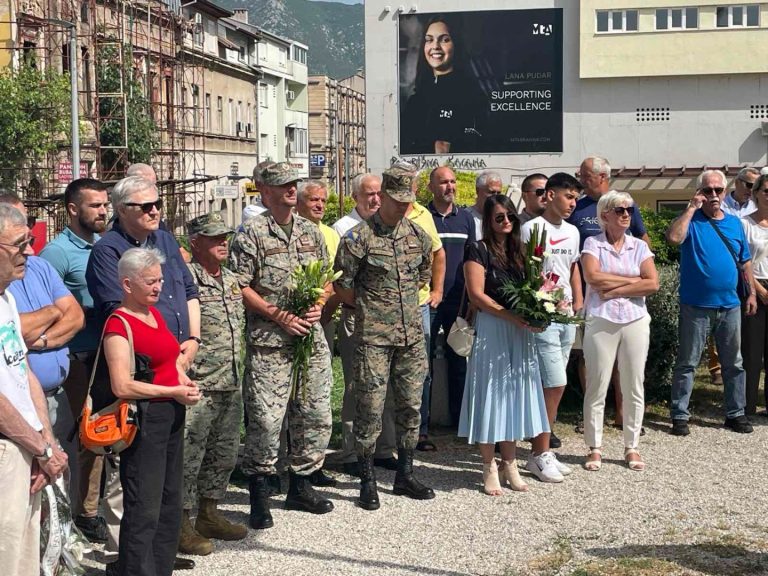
[[426, 445], [491, 484], [636, 465], [510, 474], [594, 465]]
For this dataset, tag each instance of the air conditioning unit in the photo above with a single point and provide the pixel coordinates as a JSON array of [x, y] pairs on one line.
[[290, 95], [239, 127], [249, 127], [764, 128]]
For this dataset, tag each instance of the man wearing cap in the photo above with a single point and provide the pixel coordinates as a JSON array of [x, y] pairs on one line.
[[264, 256], [212, 429], [258, 207], [384, 261]]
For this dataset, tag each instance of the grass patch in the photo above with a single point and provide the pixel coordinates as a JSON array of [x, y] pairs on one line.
[[551, 562], [628, 567]]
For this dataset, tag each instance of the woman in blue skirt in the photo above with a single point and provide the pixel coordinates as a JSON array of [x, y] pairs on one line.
[[503, 399]]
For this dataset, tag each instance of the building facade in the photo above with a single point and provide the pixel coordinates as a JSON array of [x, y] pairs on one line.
[[337, 129], [660, 88]]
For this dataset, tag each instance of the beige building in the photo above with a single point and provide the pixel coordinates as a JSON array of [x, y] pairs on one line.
[[337, 129]]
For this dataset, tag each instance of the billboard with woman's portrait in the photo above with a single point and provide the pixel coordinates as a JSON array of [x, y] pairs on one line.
[[481, 82]]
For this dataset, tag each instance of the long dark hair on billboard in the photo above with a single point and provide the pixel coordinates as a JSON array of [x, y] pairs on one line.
[[446, 112]]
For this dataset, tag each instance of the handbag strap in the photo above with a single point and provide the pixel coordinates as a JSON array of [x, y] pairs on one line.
[[727, 244], [131, 357]]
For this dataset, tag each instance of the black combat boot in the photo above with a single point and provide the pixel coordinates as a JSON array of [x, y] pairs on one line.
[[405, 484], [369, 495], [301, 496], [260, 518]]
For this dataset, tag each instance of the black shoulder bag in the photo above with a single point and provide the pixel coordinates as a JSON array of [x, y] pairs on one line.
[[743, 287]]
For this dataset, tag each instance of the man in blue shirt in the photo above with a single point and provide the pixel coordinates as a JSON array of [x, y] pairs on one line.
[[137, 208], [50, 316], [86, 202], [456, 227], [709, 302]]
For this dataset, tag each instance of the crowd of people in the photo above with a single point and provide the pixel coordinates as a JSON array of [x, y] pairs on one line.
[[200, 346]]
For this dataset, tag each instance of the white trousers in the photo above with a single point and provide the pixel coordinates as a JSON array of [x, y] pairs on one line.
[[606, 343], [20, 517]]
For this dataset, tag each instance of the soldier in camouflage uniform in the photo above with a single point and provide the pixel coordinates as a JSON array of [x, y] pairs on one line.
[[212, 430], [385, 260], [264, 256]]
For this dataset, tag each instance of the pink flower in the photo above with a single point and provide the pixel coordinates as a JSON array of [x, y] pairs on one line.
[[538, 251], [549, 285]]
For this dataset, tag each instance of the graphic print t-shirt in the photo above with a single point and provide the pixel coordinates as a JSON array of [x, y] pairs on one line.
[[562, 244]]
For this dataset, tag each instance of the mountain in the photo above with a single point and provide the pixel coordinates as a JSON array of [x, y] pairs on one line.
[[332, 30]]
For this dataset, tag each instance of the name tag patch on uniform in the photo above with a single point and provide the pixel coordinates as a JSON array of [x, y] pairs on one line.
[[279, 250]]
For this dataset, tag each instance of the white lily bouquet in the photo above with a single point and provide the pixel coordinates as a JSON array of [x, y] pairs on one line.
[[308, 286]]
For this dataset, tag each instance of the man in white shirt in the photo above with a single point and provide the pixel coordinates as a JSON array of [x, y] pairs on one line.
[[739, 201], [553, 346], [31, 456], [366, 192], [486, 183]]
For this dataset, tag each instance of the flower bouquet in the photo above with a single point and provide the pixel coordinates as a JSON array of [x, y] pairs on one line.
[[538, 299], [308, 285]]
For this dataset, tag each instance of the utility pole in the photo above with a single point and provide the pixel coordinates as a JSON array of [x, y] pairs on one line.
[[73, 96]]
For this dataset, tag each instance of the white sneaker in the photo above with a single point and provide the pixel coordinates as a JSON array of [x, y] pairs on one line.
[[544, 466], [564, 469]]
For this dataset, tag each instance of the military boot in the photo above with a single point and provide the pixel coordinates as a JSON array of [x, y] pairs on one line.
[[369, 495], [260, 518], [301, 496], [405, 484], [211, 524], [191, 542]]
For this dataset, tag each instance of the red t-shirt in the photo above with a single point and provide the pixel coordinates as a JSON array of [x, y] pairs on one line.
[[156, 344]]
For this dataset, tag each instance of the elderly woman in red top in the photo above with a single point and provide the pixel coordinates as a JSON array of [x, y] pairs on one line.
[[151, 468]]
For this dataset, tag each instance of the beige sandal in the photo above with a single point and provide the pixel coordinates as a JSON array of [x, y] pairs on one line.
[[594, 465], [491, 484], [511, 475], [636, 465]]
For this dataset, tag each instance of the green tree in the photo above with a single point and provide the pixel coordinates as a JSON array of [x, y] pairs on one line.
[[34, 118]]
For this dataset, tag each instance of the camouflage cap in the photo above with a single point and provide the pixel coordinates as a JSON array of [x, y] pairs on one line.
[[259, 168], [279, 174], [208, 225], [397, 182]]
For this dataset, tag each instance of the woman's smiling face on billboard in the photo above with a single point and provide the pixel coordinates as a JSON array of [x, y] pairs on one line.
[[438, 48]]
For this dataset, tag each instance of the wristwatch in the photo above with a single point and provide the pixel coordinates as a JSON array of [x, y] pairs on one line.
[[44, 340], [47, 453]]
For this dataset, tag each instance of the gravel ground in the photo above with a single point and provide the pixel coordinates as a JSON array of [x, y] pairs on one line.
[[699, 508]]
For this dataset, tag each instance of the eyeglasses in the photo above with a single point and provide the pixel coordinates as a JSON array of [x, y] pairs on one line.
[[21, 246], [146, 207], [709, 191], [621, 210], [510, 216], [540, 191], [746, 183]]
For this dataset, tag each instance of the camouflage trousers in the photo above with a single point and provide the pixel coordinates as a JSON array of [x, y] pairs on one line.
[[211, 440], [268, 401], [404, 368]]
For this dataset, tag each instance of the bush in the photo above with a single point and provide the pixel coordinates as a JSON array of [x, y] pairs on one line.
[[664, 308], [657, 223], [465, 188], [332, 208]]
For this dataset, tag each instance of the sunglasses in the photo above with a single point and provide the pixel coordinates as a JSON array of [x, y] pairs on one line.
[[510, 216], [621, 210], [708, 191], [540, 191], [146, 207], [747, 184], [21, 246]]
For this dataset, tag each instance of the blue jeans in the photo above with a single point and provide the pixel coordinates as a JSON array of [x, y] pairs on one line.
[[695, 325], [426, 394]]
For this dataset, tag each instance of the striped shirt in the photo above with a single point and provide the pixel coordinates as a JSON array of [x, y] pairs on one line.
[[626, 262], [455, 229]]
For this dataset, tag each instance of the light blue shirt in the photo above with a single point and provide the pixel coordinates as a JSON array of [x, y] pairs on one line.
[[41, 286], [68, 254], [730, 206]]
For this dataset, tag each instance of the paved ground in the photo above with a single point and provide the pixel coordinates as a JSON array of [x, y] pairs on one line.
[[699, 508]]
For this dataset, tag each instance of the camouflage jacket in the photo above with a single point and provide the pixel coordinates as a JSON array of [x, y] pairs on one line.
[[264, 258], [218, 364], [386, 266]]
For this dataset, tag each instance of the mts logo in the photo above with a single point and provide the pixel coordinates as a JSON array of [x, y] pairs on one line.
[[542, 29]]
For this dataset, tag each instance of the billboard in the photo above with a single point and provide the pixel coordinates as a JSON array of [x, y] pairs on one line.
[[483, 82]]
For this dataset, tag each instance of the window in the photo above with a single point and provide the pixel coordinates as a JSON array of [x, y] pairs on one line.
[[677, 18], [197, 34], [207, 117], [264, 144], [248, 120], [738, 16], [184, 119], [195, 107], [220, 114], [231, 111], [242, 54], [263, 95], [617, 20], [299, 54], [239, 128]]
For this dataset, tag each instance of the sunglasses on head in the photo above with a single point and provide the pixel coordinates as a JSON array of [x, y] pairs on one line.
[[621, 210], [499, 218], [708, 191], [146, 207]]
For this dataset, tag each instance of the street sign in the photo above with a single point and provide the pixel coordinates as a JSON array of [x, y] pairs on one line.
[[317, 160], [226, 191]]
